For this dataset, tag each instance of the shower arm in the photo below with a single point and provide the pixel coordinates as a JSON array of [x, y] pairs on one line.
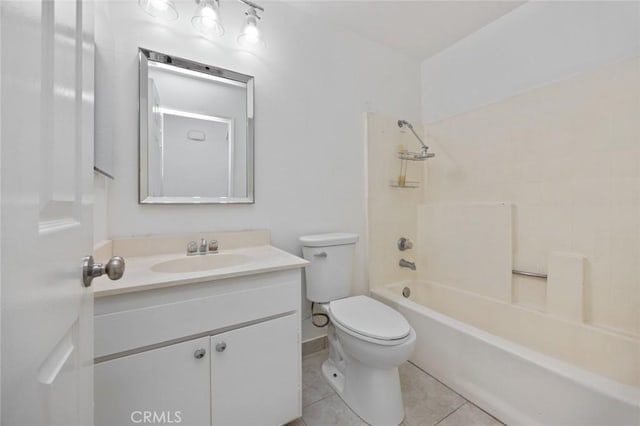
[[402, 123], [418, 137]]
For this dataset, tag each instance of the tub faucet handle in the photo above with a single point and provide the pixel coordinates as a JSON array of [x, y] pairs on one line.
[[404, 244]]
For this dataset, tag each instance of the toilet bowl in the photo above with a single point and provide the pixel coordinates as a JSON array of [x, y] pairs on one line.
[[368, 340], [362, 366]]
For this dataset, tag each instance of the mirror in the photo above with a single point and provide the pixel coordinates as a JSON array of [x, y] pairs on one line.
[[196, 132]]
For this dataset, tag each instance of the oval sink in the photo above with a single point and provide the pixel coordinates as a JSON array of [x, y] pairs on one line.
[[200, 263]]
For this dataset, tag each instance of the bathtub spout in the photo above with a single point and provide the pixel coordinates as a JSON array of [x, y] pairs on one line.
[[406, 264]]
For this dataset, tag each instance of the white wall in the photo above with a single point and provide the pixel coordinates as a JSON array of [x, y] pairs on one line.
[[104, 107], [313, 84], [536, 44], [100, 208]]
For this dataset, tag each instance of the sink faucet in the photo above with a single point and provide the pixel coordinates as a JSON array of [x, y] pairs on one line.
[[406, 264], [192, 248], [203, 247]]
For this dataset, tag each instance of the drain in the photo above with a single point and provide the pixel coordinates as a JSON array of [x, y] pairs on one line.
[[406, 292]]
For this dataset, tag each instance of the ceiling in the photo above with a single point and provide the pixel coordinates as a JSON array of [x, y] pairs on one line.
[[418, 28]]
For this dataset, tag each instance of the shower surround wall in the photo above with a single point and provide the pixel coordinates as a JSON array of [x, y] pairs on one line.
[[567, 156], [552, 127], [392, 211]]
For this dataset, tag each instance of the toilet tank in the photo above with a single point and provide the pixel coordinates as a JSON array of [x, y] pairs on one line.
[[330, 272]]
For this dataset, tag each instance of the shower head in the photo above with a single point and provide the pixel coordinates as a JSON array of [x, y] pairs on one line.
[[403, 123], [423, 154]]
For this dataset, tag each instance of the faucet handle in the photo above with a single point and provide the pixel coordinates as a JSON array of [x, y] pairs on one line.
[[213, 246], [192, 247], [404, 244]]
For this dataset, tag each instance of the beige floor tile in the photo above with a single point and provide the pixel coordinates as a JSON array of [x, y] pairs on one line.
[[314, 385], [331, 411], [470, 415], [426, 401], [296, 422]]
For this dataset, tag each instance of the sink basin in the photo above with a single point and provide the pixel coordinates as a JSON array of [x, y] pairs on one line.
[[199, 263]]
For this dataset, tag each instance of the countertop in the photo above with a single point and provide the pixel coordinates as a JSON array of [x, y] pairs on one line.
[[138, 275]]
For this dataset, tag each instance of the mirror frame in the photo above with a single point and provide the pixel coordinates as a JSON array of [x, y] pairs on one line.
[[144, 56]]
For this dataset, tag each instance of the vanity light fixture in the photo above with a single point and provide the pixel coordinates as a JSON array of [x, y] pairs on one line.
[[206, 19], [162, 9], [250, 35]]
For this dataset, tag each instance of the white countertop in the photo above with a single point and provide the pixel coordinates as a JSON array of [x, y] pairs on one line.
[[138, 275]]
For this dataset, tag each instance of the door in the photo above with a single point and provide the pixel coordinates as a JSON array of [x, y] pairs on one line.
[[163, 386], [46, 211], [255, 374]]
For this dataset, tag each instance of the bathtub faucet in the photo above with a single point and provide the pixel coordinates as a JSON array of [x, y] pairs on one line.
[[406, 264]]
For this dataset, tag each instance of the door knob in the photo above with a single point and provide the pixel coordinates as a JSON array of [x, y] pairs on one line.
[[114, 269]]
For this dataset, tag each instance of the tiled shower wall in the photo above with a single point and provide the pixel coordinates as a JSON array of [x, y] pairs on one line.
[[567, 155]]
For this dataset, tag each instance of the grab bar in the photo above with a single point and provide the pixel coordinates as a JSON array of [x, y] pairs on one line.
[[529, 274]]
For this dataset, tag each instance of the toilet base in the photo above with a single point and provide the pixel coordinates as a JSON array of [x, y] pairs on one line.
[[373, 394]]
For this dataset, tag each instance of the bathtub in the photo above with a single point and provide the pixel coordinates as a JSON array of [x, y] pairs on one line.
[[522, 366]]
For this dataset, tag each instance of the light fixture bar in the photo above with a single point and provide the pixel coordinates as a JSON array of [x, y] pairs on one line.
[[252, 4]]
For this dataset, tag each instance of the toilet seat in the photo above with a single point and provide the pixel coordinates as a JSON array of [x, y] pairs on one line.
[[370, 320]]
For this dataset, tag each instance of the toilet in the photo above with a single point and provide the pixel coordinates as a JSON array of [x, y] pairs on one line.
[[368, 340]]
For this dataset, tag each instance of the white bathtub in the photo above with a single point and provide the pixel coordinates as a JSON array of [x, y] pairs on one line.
[[514, 382]]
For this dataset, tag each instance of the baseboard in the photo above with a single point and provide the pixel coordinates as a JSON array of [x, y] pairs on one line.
[[314, 345]]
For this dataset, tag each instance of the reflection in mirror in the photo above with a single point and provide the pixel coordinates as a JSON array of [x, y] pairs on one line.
[[196, 132]]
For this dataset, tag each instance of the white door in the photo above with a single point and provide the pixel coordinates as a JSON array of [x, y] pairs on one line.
[[46, 100]]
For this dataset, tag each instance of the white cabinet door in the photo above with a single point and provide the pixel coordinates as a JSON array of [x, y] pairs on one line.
[[255, 374], [160, 386]]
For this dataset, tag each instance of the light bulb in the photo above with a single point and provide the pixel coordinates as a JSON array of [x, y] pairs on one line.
[[162, 9], [209, 17], [206, 19], [250, 35], [160, 5]]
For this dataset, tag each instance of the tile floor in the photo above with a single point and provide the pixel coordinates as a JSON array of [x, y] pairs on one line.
[[427, 402]]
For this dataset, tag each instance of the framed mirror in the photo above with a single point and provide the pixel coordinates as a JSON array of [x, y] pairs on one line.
[[196, 132]]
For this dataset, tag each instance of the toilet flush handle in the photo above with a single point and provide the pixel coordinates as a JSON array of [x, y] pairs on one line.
[[321, 254]]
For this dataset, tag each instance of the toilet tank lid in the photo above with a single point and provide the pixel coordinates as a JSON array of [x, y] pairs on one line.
[[325, 240]]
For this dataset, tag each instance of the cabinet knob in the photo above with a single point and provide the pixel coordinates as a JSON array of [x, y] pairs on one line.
[[199, 354], [220, 347]]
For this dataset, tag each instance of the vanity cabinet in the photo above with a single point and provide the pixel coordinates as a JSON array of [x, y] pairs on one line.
[[225, 352]]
